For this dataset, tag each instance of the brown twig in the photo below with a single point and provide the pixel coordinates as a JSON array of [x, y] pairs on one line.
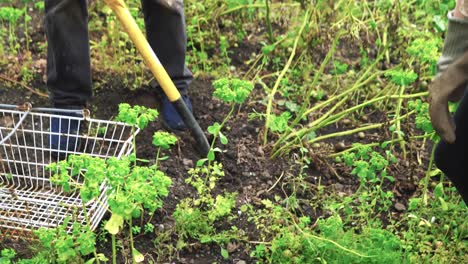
[[3, 77]]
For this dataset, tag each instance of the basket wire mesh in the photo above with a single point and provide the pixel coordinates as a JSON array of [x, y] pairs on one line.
[[28, 200]]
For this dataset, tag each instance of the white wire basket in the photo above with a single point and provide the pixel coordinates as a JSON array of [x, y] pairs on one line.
[[28, 200]]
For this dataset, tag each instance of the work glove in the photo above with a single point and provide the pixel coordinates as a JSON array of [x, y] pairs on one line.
[[448, 86], [451, 80]]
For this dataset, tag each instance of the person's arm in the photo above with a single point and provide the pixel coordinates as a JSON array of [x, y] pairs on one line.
[[456, 39]]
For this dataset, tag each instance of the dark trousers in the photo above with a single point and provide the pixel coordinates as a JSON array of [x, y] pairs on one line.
[[452, 159], [68, 55]]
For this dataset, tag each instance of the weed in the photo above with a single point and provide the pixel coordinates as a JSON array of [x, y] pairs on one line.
[[11, 15], [422, 119], [339, 67], [6, 255], [292, 239], [230, 91], [280, 123], [196, 217], [130, 189]]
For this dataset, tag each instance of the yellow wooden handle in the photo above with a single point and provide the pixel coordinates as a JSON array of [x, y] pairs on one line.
[[142, 45]]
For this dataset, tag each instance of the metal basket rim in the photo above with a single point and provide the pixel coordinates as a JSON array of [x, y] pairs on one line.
[[52, 112]]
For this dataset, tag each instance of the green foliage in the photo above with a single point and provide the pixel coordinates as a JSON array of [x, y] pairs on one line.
[[137, 115], [294, 240], [55, 245], [371, 199], [11, 14], [6, 256], [232, 90], [163, 139], [196, 217], [229, 91], [401, 77], [339, 67], [39, 6], [431, 227], [379, 35], [280, 123], [422, 119], [379, 245], [149, 228], [425, 49], [223, 47], [215, 130], [130, 188], [368, 164], [434, 12], [191, 222]]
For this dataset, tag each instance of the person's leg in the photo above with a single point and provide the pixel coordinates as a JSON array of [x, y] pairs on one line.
[[452, 159], [68, 55], [165, 31]]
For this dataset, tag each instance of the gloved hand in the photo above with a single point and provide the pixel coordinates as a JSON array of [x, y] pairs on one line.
[[448, 86]]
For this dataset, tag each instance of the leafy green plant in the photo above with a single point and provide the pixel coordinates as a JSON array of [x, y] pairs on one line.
[[56, 245], [163, 141], [368, 165], [223, 47], [401, 77], [6, 255], [233, 92], [339, 67], [426, 51], [196, 217], [422, 119], [280, 123], [12, 15], [371, 169], [431, 226], [136, 115], [131, 189], [293, 239]]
